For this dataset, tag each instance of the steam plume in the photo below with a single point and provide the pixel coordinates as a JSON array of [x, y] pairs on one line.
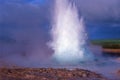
[[69, 37]]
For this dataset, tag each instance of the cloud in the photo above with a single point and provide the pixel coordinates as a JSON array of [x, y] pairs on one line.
[[99, 10], [91, 10], [101, 18]]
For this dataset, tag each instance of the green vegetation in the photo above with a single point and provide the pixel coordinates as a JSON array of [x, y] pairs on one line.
[[112, 44]]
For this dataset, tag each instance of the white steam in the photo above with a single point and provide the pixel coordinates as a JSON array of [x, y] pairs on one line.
[[69, 37]]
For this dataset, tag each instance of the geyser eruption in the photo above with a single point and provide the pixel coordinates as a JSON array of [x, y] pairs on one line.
[[68, 33]]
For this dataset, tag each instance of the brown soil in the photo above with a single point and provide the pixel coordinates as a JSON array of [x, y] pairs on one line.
[[47, 74], [111, 50]]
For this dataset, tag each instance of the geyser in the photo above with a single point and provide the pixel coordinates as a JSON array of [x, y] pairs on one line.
[[68, 34]]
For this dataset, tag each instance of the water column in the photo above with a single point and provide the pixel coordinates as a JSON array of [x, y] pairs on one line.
[[68, 33]]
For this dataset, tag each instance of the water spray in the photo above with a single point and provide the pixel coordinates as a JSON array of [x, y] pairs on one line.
[[68, 34]]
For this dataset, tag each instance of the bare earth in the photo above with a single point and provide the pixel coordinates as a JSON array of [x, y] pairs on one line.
[[47, 74], [112, 50]]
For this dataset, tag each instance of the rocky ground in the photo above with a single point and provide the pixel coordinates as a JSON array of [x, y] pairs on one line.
[[47, 74]]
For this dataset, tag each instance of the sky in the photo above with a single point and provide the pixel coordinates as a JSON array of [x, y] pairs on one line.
[[25, 25]]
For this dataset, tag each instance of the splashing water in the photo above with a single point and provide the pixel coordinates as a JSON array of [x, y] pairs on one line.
[[68, 33]]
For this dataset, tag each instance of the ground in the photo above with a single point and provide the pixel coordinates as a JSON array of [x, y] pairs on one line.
[[109, 46], [48, 74]]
